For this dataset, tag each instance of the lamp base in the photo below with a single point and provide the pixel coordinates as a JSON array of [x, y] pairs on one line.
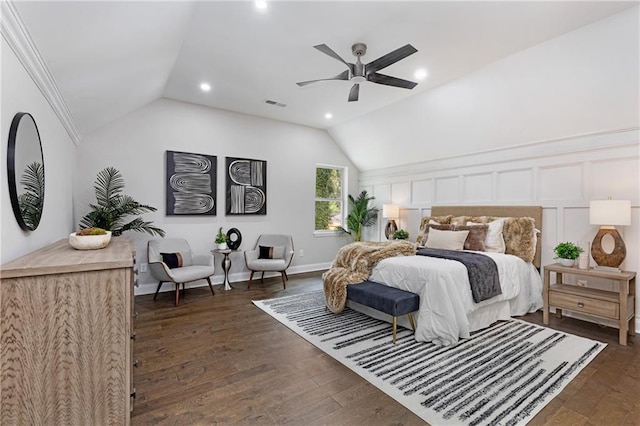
[[390, 229], [602, 258]]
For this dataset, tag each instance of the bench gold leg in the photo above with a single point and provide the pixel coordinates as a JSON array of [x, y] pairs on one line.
[[413, 325], [395, 323]]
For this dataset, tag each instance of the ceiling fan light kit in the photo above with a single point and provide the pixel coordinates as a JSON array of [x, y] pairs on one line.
[[359, 73]]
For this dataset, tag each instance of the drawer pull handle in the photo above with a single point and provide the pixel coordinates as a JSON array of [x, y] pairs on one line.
[[135, 315], [580, 305], [133, 336], [135, 363]]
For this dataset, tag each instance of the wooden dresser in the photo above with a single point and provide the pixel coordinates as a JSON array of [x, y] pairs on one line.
[[67, 336]]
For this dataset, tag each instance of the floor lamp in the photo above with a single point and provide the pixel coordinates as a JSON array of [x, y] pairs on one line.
[[609, 213], [390, 212]]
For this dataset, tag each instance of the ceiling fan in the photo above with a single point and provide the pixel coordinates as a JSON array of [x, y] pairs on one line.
[[359, 72]]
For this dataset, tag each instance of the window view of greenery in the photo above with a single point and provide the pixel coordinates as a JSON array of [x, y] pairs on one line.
[[328, 198]]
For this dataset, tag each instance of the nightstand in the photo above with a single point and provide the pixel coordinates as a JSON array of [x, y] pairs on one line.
[[619, 306]]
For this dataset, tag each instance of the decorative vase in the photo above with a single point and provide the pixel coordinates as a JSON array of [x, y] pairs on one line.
[[567, 262]]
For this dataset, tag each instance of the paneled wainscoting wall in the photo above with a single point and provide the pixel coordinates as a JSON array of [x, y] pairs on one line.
[[561, 175]]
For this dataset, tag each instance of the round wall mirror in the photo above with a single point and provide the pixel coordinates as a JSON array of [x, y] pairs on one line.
[[25, 166]]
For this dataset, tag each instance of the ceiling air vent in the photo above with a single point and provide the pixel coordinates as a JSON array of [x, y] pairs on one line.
[[274, 103]]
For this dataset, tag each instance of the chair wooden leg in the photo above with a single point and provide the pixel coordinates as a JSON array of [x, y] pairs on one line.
[[284, 283], [157, 290], [262, 277], [285, 275], [210, 285], [177, 293], [250, 279]]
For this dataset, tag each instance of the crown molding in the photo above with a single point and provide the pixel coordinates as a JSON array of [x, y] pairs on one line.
[[18, 38]]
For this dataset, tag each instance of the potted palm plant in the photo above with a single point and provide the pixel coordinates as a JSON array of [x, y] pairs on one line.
[[567, 253], [361, 215], [112, 208]]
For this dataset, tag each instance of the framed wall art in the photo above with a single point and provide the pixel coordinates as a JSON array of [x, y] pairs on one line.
[[191, 184], [246, 186]]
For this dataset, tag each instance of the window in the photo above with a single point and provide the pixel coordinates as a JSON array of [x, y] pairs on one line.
[[330, 199]]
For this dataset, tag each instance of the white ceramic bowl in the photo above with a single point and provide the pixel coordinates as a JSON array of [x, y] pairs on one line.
[[89, 242]]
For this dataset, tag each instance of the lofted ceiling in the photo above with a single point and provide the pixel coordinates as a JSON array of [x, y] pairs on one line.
[[111, 58]]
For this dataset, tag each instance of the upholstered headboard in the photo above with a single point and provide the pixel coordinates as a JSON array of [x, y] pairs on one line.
[[534, 212]]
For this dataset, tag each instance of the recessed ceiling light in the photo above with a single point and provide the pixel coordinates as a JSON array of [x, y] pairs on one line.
[[328, 115], [261, 4], [205, 87], [420, 74]]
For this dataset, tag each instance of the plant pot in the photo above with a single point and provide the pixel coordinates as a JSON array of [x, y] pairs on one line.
[[222, 246], [567, 262]]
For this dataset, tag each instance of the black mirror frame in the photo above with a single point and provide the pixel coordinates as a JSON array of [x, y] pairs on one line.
[[11, 167]]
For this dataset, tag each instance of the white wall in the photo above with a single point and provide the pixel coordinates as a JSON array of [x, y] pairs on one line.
[[583, 82], [136, 146], [20, 94]]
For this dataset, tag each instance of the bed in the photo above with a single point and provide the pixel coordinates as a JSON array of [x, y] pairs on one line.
[[448, 311]]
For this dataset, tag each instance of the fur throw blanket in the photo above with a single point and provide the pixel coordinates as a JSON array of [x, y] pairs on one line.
[[353, 264]]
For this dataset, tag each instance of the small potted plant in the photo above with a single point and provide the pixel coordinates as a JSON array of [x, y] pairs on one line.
[[221, 240], [567, 253], [400, 234]]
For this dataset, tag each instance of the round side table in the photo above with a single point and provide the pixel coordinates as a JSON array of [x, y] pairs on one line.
[[226, 265]]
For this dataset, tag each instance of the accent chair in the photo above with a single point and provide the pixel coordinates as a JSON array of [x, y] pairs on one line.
[[171, 260], [272, 253]]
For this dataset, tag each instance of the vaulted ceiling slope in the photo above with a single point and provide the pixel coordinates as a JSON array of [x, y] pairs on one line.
[[112, 57]]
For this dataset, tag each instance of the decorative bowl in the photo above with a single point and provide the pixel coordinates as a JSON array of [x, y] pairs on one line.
[[89, 242]]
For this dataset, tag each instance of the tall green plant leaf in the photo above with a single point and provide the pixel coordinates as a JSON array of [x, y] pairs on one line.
[[31, 202], [113, 209]]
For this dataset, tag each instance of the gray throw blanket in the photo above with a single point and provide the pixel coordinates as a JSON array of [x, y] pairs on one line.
[[482, 270]]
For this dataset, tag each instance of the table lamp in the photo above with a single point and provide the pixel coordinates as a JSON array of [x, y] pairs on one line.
[[609, 213], [390, 212]]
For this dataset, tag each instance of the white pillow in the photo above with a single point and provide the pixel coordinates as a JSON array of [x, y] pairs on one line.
[[448, 240], [494, 243]]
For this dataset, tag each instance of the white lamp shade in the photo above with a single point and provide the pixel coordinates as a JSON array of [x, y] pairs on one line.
[[610, 212], [390, 211]]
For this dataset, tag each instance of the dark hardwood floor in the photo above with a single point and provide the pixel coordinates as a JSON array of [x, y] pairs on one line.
[[220, 360]]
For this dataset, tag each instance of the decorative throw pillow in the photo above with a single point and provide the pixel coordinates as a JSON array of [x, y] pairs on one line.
[[425, 222], [267, 252], [519, 233], [172, 260], [476, 238], [437, 226], [448, 240], [494, 243], [460, 220]]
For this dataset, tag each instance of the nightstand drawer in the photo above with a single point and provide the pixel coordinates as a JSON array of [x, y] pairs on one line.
[[585, 305]]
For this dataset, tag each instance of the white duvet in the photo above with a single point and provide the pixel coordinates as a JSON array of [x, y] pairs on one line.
[[447, 310]]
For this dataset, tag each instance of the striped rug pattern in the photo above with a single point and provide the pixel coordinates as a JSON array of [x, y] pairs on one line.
[[502, 375]]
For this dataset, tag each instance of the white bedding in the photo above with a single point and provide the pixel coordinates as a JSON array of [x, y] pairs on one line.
[[447, 310]]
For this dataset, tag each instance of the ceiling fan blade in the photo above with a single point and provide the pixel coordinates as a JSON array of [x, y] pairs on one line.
[[327, 51], [390, 58], [353, 93], [391, 81], [342, 76]]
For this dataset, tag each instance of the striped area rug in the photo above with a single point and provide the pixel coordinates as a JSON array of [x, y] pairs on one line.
[[502, 375]]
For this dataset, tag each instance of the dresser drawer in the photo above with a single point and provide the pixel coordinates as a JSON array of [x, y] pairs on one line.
[[584, 304]]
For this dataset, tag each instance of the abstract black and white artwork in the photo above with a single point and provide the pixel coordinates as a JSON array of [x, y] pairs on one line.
[[246, 186], [191, 184]]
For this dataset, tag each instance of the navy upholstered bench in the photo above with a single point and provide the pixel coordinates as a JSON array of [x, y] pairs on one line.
[[390, 300]]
